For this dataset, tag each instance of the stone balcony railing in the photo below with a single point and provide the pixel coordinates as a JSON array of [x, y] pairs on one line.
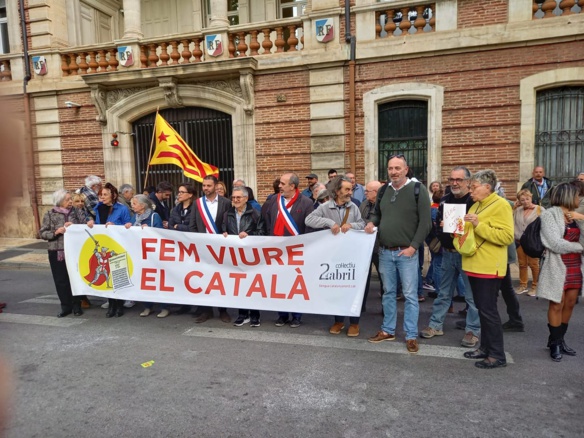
[[89, 60], [5, 70], [552, 8], [403, 21]]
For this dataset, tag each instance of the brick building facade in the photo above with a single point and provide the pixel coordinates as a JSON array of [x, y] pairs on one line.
[[477, 68]]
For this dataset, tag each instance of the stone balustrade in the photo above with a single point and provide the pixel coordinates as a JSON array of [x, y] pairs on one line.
[[5, 71], [407, 20], [173, 52], [552, 8], [285, 36], [85, 61]]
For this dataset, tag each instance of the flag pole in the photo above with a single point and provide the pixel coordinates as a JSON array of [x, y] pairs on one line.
[[151, 146]]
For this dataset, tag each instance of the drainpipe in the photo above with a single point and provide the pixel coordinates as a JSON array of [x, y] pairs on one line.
[[28, 124], [350, 39]]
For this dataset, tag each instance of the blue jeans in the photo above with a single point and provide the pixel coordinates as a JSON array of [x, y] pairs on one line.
[[436, 266], [451, 270], [409, 270]]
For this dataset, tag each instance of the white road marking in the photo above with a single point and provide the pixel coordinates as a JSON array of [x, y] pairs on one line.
[[42, 301], [340, 342], [51, 321]]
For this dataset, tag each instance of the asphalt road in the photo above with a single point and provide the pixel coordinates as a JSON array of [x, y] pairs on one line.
[[82, 377]]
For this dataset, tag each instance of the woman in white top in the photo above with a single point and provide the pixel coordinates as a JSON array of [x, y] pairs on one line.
[[525, 213]]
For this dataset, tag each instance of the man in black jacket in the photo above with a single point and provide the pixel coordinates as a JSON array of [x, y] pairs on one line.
[[452, 266], [243, 220], [539, 186], [163, 193], [207, 217]]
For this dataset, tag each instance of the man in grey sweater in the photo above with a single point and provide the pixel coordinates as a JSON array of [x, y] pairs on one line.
[[402, 215]]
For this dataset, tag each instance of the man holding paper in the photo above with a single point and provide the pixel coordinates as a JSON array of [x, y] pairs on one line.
[[450, 221]]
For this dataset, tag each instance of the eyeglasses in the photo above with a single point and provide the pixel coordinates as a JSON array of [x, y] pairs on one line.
[[396, 156], [180, 192], [237, 198], [456, 180], [394, 197]]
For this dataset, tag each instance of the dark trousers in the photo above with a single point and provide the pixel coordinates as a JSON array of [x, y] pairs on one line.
[[250, 313], [62, 284], [508, 294], [208, 309], [485, 292], [374, 262]]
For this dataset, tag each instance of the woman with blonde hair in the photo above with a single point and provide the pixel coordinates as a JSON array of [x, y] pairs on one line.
[[562, 269], [525, 213]]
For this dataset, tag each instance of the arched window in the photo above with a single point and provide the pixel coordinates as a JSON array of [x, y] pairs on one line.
[[559, 132], [403, 129]]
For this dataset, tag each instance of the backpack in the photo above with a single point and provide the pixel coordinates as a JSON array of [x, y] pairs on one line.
[[530, 240]]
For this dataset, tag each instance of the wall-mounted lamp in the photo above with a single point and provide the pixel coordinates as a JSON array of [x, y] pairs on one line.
[[115, 142], [70, 104]]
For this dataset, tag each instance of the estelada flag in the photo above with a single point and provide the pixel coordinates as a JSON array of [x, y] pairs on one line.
[[172, 149]]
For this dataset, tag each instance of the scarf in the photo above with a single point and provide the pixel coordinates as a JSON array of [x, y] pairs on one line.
[[281, 224], [142, 217], [65, 212]]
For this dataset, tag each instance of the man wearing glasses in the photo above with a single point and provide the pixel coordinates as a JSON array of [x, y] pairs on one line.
[[207, 217], [452, 266], [404, 221]]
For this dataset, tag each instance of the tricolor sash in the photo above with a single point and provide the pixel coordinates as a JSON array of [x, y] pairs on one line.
[[284, 219], [206, 216]]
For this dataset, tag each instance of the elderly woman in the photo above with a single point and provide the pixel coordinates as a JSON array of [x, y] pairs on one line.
[[55, 223], [492, 219], [109, 211], [562, 270], [145, 216], [525, 213], [339, 214], [243, 220]]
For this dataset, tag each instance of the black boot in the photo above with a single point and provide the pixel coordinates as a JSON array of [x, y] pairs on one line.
[[120, 308], [77, 309], [556, 343], [111, 311], [565, 349]]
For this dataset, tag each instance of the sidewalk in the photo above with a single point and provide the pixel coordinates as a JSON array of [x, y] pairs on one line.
[[32, 254], [23, 254]]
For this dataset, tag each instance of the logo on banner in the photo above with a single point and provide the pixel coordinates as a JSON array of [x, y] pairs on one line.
[[325, 30], [125, 56], [337, 271], [214, 45], [104, 263], [39, 64]]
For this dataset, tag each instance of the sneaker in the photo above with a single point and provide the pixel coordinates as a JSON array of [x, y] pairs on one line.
[[129, 304], [469, 340], [513, 327], [428, 286], [281, 321], [255, 322], [412, 346], [429, 332], [522, 289], [163, 313], [295, 323], [336, 328], [105, 305], [146, 312], [531, 292], [381, 336], [241, 320]]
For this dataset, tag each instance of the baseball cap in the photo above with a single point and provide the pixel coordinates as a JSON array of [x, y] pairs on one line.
[[312, 175]]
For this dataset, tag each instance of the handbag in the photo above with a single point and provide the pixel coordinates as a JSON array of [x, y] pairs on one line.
[[435, 245], [466, 245]]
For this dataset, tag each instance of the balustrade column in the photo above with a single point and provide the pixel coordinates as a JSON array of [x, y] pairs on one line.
[[132, 20]]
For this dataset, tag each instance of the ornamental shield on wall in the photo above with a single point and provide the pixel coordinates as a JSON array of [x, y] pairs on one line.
[[39, 64], [324, 30], [214, 45], [125, 56]]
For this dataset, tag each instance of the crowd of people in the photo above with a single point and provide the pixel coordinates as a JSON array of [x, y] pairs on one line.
[[406, 217]]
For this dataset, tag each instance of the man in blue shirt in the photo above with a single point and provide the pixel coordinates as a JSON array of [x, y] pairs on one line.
[[312, 180]]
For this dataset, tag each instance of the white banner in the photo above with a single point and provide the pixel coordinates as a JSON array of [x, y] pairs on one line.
[[317, 272]]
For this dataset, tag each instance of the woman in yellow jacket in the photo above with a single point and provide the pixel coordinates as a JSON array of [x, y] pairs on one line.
[[492, 219]]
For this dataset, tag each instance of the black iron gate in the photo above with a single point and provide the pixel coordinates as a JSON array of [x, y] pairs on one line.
[[403, 129], [206, 131]]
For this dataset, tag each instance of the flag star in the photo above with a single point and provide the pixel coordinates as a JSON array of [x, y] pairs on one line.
[[162, 137]]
